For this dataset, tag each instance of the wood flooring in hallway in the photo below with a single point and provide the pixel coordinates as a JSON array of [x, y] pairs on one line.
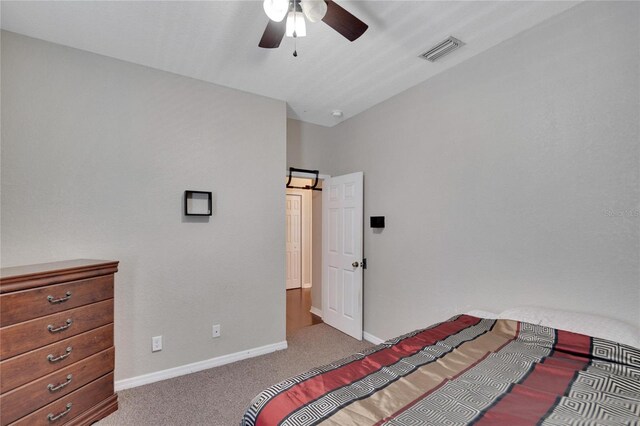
[[298, 306]]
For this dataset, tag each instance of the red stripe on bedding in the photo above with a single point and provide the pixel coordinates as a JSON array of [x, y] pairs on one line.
[[281, 405], [572, 345], [529, 401]]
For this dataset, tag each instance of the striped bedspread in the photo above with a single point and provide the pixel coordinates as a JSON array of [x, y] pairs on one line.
[[466, 370]]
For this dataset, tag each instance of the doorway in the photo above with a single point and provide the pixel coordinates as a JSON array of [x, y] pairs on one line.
[[303, 250], [338, 262]]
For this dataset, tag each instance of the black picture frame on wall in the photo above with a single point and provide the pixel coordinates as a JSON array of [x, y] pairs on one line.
[[198, 203]]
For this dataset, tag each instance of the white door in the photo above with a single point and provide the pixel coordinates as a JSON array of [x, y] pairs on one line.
[[294, 259], [342, 208]]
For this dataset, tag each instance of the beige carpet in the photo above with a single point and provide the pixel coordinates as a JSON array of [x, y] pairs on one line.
[[218, 396]]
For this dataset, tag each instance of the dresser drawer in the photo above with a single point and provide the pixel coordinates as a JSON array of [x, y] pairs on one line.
[[24, 368], [73, 404], [25, 399], [20, 306], [23, 337]]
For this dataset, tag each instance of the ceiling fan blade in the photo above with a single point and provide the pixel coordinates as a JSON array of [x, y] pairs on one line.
[[343, 22], [273, 34]]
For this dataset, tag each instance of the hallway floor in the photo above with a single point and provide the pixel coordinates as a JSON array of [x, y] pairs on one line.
[[298, 306]]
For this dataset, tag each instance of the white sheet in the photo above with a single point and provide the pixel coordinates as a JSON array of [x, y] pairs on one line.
[[482, 314], [591, 325]]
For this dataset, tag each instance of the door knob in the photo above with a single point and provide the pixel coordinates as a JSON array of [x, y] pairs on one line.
[[355, 264]]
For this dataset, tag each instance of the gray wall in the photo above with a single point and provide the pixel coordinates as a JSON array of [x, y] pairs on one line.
[[96, 154], [510, 179], [308, 145]]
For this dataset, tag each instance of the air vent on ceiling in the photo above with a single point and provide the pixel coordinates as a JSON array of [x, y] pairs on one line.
[[443, 48]]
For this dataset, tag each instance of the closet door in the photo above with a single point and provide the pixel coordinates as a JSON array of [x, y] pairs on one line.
[[294, 229]]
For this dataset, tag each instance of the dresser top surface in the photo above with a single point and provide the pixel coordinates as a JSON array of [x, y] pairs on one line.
[[43, 271], [40, 268]]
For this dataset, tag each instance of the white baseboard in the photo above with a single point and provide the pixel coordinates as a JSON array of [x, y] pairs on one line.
[[197, 366], [306, 285], [371, 338], [316, 311]]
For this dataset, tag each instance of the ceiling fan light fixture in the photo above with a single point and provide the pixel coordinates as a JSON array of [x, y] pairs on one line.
[[296, 25], [276, 10], [328, 11], [314, 10]]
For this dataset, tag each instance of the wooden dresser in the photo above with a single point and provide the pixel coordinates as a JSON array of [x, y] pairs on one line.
[[56, 343]]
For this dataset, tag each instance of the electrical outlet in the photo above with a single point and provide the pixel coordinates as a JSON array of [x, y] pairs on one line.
[[156, 343], [216, 331]]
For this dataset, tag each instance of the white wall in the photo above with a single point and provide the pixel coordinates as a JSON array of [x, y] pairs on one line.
[[96, 155], [499, 178]]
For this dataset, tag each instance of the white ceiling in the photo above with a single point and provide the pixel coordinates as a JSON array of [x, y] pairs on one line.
[[217, 41]]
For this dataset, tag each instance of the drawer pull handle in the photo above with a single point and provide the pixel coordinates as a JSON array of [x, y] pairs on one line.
[[52, 358], [61, 328], [53, 300], [53, 418], [55, 388]]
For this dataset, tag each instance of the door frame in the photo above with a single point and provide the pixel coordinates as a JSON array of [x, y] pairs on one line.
[[306, 249], [321, 177]]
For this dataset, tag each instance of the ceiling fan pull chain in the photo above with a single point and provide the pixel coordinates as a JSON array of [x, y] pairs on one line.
[[295, 36], [295, 22]]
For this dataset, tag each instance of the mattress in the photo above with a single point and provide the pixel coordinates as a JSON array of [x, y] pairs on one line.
[[466, 370]]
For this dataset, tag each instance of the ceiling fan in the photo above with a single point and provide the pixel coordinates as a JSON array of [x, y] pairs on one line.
[[326, 11]]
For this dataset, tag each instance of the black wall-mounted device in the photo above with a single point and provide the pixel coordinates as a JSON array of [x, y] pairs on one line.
[[377, 221]]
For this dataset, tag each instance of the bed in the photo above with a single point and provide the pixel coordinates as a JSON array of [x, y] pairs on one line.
[[467, 370]]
